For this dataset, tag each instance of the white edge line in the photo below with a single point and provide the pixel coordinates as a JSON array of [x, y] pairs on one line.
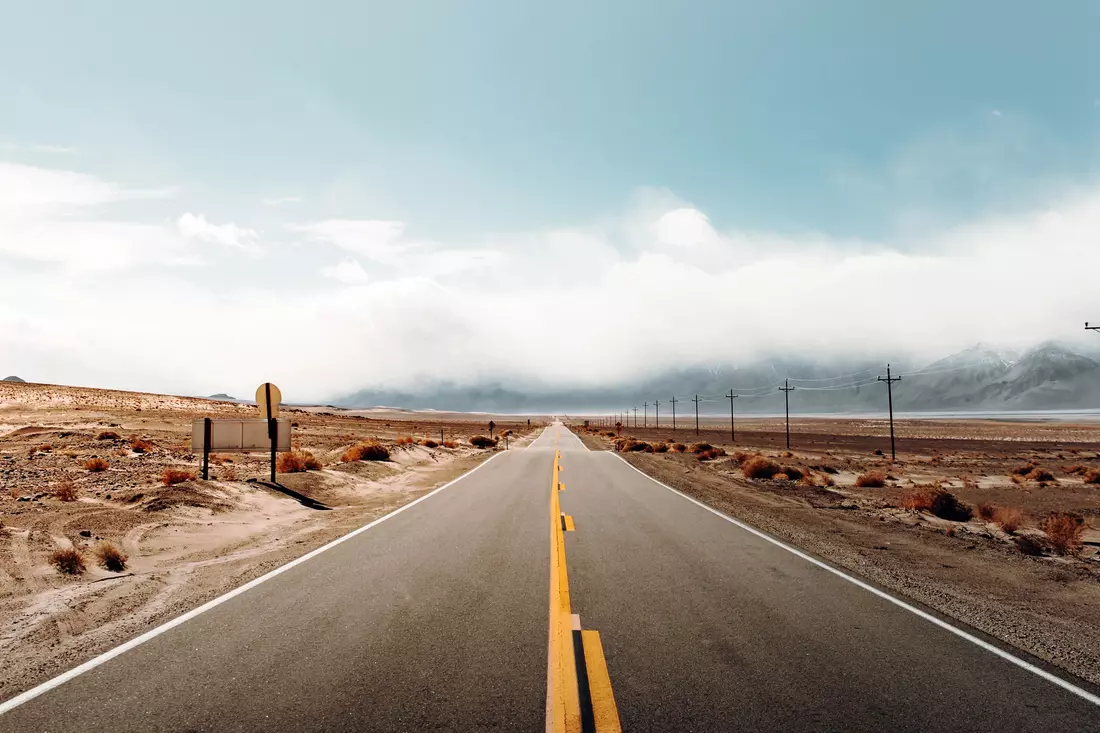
[[107, 656], [1055, 679]]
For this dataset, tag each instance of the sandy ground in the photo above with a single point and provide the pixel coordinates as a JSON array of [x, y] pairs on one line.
[[185, 543], [973, 571]]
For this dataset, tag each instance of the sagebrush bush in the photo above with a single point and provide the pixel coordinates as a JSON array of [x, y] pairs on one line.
[[1063, 531], [759, 467], [297, 461], [871, 480], [173, 476], [66, 491], [95, 465], [1007, 518], [69, 561], [369, 450], [109, 556], [481, 441]]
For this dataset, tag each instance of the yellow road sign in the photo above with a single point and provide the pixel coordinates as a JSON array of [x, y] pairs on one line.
[[265, 392]]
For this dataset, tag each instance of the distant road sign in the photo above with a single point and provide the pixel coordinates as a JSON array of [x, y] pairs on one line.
[[262, 394]]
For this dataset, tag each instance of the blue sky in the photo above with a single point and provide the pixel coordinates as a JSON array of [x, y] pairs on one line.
[[480, 129]]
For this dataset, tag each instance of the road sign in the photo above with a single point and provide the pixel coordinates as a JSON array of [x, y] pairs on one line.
[[239, 436], [268, 394]]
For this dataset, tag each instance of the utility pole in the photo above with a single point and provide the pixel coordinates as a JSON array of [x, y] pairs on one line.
[[635, 418], [786, 389], [674, 414], [657, 415], [890, 396], [645, 414], [733, 430], [696, 401]]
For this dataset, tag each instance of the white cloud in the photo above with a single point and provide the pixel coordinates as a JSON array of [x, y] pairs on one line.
[[658, 287], [193, 226], [349, 272]]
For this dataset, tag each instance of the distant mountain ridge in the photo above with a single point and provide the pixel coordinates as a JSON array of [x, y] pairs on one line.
[[1048, 377]]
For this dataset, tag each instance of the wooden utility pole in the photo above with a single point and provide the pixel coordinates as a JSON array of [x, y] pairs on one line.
[[657, 413], [635, 418], [674, 400], [890, 397], [696, 401], [786, 389], [733, 430], [645, 414]]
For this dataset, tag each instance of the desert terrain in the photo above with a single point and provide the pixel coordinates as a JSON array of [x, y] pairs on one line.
[[992, 523], [105, 530]]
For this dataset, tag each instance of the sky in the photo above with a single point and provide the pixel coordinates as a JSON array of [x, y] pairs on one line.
[[199, 197]]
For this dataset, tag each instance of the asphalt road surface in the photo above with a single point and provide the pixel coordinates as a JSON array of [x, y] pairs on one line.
[[436, 619]]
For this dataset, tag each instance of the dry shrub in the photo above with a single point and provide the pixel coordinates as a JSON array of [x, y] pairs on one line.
[[31, 451], [108, 435], [741, 457], [1040, 474], [405, 440], [629, 445], [66, 491], [938, 502], [660, 448], [759, 467], [429, 443], [173, 476], [1024, 470], [794, 473], [370, 450], [781, 477], [450, 444], [229, 474], [698, 448], [871, 480], [807, 479], [480, 441], [1092, 476], [986, 511], [95, 465], [69, 562], [710, 455], [678, 447], [1007, 518], [110, 557], [787, 454], [1076, 468], [297, 461], [140, 445], [1063, 531], [45, 448]]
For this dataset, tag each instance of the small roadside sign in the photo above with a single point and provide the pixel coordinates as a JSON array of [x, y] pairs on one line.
[[268, 395]]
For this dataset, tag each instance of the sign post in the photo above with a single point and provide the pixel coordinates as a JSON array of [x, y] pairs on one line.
[[206, 449], [268, 398], [491, 426]]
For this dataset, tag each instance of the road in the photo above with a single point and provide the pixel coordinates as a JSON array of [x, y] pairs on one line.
[[437, 619]]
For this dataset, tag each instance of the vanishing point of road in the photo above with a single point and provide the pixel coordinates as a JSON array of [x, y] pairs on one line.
[[662, 615]]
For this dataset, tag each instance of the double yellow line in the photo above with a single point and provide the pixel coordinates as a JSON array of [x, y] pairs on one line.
[[573, 704]]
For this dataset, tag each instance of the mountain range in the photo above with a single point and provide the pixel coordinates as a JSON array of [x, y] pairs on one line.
[[981, 378]]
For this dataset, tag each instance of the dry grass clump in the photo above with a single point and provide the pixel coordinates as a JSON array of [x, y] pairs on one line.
[[406, 440], [710, 455], [759, 467], [95, 465], [698, 448], [110, 557], [871, 480], [678, 447], [1008, 518], [429, 443], [937, 502], [69, 561], [1063, 531], [450, 444], [173, 476], [370, 450], [1025, 469], [986, 511], [1092, 476], [1040, 474], [297, 461], [660, 448], [630, 445], [480, 441], [1076, 468], [140, 445], [66, 491], [108, 435], [794, 473]]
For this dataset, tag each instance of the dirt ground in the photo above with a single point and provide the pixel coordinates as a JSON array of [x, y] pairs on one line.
[[185, 543], [1047, 604]]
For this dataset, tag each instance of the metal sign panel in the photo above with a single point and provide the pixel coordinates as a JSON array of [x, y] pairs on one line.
[[240, 436]]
